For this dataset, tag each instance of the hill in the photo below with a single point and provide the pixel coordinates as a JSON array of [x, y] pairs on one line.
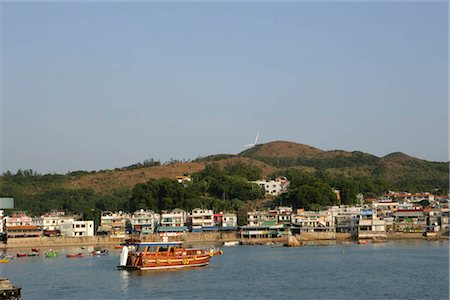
[[398, 170], [112, 189]]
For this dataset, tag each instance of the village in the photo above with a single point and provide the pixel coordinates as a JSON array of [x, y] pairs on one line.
[[374, 219]]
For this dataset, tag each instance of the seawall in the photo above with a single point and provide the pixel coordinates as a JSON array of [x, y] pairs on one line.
[[196, 237], [190, 237]]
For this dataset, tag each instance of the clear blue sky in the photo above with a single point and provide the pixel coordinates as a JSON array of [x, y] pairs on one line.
[[101, 85]]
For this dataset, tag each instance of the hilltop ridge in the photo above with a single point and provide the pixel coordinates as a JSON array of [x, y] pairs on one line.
[[400, 170]]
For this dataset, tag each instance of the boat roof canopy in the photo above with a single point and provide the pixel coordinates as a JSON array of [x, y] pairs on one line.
[[144, 244]]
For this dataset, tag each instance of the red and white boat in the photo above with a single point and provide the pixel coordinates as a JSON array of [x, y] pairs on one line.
[[164, 255]]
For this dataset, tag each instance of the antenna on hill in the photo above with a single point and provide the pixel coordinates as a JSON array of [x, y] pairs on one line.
[[255, 143]]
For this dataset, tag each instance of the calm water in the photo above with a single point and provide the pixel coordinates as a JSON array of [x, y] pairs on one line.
[[395, 270]]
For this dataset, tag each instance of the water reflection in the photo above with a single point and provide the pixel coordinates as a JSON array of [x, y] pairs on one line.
[[125, 279]]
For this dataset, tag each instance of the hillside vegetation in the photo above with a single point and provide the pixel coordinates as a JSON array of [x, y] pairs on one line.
[[221, 181]]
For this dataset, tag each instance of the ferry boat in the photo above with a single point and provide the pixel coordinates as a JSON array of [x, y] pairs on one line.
[[164, 255]]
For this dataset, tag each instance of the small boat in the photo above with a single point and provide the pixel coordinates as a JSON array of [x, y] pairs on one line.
[[74, 255], [164, 255], [33, 254], [100, 252], [363, 242], [379, 240], [51, 253], [118, 246], [231, 243], [22, 255], [3, 261], [35, 250]]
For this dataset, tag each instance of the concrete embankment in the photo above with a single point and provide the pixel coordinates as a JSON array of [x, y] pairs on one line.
[[189, 237], [305, 238]]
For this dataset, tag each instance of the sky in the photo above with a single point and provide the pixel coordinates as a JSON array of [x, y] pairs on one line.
[[92, 85]]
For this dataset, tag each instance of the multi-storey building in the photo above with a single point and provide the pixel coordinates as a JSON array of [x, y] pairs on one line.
[[409, 220], [312, 221], [370, 226], [114, 224], [261, 217], [77, 228], [20, 225], [229, 221], [144, 221], [173, 222], [274, 187], [202, 219]]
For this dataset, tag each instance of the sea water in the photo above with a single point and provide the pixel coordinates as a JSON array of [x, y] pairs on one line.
[[393, 270]]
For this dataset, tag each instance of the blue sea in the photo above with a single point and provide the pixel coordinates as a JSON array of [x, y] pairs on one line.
[[393, 270]]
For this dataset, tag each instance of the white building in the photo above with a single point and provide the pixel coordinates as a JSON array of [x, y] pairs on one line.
[[173, 218], [229, 221], [77, 228], [370, 226], [345, 218], [312, 221], [144, 221], [202, 218], [51, 222], [274, 187]]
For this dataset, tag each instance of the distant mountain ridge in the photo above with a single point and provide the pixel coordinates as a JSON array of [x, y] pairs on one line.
[[400, 171]]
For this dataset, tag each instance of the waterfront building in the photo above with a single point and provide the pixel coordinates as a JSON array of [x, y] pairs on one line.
[[445, 218], [370, 226], [77, 228], [173, 222], [261, 217], [144, 221], [312, 221], [218, 219], [262, 231], [229, 221], [51, 222], [345, 218], [114, 224], [20, 225], [274, 187], [409, 220], [202, 219], [284, 215]]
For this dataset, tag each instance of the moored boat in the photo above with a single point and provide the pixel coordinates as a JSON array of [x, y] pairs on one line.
[[231, 243], [51, 253], [164, 255], [100, 252], [74, 255], [22, 255]]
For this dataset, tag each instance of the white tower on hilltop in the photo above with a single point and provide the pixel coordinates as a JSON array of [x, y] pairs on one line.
[[255, 143]]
